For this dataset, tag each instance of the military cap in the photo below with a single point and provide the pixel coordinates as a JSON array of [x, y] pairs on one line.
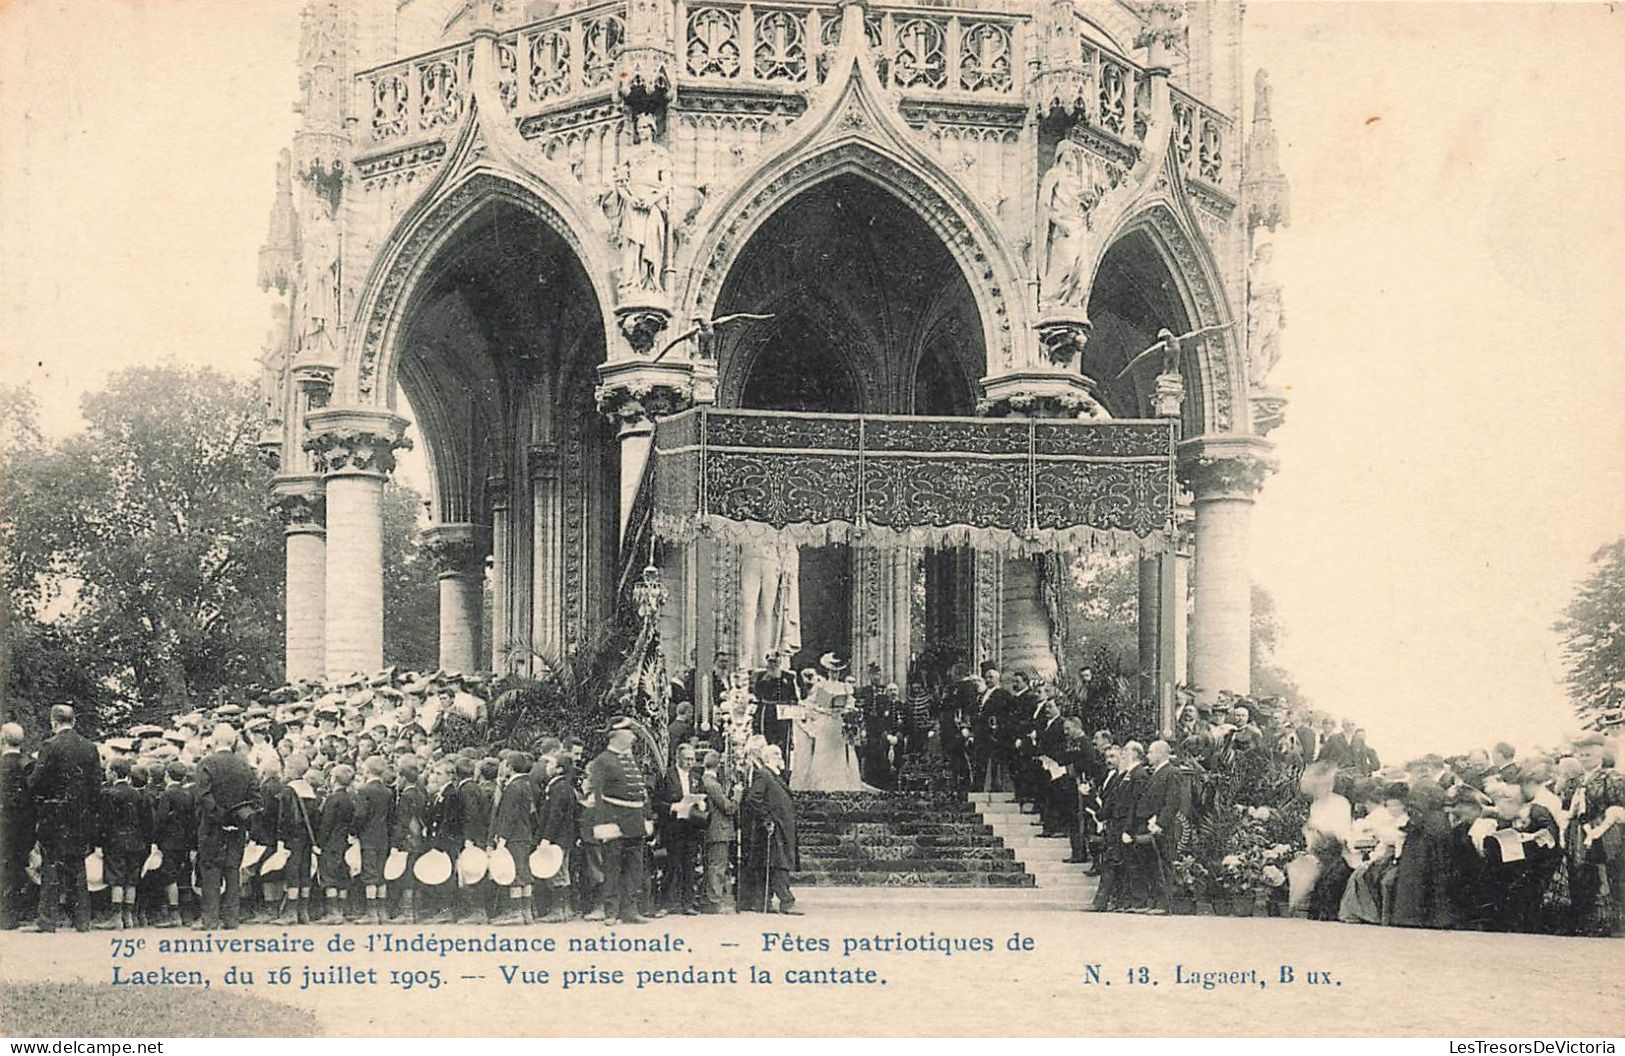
[[146, 730]]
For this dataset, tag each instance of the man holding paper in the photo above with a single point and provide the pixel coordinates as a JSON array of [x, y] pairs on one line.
[[682, 814]]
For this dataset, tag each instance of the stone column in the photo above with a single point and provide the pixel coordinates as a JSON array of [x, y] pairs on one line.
[[547, 552], [1225, 475], [298, 502], [1150, 605], [632, 394], [501, 573], [458, 551], [354, 449]]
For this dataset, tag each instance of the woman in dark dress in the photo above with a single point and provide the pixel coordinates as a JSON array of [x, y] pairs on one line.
[[1422, 875]]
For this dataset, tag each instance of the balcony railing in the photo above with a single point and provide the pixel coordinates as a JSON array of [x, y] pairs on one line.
[[918, 50], [926, 53], [418, 97]]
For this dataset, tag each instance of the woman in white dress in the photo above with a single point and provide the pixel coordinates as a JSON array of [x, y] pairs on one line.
[[823, 760]]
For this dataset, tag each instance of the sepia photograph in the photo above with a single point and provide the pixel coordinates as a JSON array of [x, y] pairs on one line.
[[705, 519]]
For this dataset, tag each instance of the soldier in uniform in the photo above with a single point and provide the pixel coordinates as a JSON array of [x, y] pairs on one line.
[[66, 783], [16, 825], [228, 799], [776, 688], [620, 819]]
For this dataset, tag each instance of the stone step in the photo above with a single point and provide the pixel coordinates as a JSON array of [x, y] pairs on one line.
[[848, 878], [894, 852], [901, 828], [1042, 851], [886, 815], [825, 838], [895, 902], [905, 853], [992, 797], [911, 865], [1006, 806]]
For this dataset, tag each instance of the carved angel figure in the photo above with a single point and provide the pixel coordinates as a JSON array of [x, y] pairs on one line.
[[640, 204], [1265, 317], [1071, 190], [318, 285]]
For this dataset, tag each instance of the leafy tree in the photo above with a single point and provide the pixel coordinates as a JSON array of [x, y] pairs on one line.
[[1269, 679], [143, 541], [144, 571], [411, 585], [1593, 634]]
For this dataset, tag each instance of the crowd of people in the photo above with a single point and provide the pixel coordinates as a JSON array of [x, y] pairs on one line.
[[366, 801], [1492, 840], [342, 803]]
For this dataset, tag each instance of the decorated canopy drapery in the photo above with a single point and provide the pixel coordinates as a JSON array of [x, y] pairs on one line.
[[1004, 484]]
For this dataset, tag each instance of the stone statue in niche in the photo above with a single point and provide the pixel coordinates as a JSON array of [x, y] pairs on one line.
[[640, 206], [318, 283], [1067, 198], [274, 361], [1265, 318]]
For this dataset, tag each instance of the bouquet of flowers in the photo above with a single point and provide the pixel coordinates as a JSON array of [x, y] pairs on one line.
[[737, 711], [1255, 865]]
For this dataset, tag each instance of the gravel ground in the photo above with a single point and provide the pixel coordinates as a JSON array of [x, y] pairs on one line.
[[1346, 979]]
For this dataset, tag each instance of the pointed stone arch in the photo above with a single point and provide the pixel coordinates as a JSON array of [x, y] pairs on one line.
[[414, 250], [1211, 407]]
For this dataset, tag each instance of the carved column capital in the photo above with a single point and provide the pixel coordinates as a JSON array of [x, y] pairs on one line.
[[355, 440], [1039, 394], [457, 549], [1227, 467], [630, 393], [299, 503]]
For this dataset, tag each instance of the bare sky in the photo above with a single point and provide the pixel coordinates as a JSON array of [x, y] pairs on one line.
[[1455, 447]]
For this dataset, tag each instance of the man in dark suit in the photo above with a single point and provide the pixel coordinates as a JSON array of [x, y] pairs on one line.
[[958, 705], [1117, 795], [16, 825], [512, 830], [66, 783], [681, 730], [228, 799], [775, 689], [772, 811], [1334, 747], [1155, 828], [373, 801], [994, 744], [683, 837], [444, 822]]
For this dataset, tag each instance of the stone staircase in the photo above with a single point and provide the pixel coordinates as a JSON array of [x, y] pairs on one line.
[[1017, 826], [899, 839], [951, 852]]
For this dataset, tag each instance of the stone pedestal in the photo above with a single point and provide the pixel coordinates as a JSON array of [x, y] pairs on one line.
[[355, 451], [1225, 475]]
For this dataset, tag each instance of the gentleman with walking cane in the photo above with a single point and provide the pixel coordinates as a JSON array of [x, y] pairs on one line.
[[772, 807]]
